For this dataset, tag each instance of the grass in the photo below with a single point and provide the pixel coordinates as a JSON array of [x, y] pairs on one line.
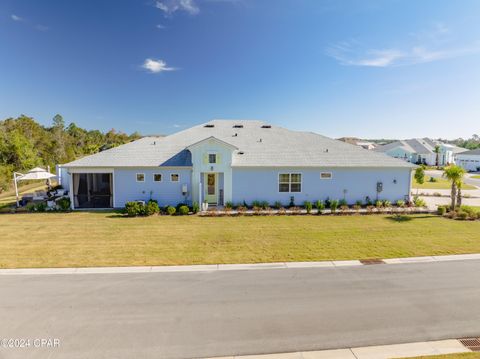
[[476, 176], [441, 183], [450, 356], [108, 239]]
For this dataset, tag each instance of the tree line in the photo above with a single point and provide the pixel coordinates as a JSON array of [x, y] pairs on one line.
[[25, 144]]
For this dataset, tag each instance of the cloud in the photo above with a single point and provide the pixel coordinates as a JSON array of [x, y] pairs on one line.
[[431, 45], [171, 6], [160, 26], [16, 18], [156, 66]]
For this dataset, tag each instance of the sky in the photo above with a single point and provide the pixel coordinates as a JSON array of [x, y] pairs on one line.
[[371, 69]]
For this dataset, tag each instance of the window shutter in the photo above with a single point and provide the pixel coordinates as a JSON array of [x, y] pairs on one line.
[[218, 158], [205, 158]]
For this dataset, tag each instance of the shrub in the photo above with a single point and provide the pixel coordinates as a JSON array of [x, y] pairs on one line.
[[229, 204], [462, 215], [195, 207], [277, 204], [133, 209], [308, 206], [152, 208], [419, 202], [171, 210], [379, 204], [328, 202], [387, 204], [342, 202], [292, 202], [478, 215], [64, 204], [368, 201], [433, 179], [264, 204], [400, 203], [256, 204], [320, 206], [282, 211], [256, 209], [357, 207], [437, 194], [370, 209], [333, 205], [358, 203], [183, 210], [441, 210]]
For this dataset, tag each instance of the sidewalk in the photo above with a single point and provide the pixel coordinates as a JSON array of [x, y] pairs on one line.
[[449, 346], [226, 267]]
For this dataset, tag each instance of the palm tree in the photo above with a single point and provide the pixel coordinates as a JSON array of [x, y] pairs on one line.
[[437, 151], [455, 175], [459, 194]]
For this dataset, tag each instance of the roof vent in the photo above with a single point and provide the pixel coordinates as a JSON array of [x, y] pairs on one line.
[[237, 126], [241, 153], [266, 126], [235, 135], [209, 125]]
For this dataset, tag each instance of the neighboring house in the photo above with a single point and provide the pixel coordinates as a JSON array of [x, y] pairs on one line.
[[358, 142], [469, 160], [421, 151], [234, 161]]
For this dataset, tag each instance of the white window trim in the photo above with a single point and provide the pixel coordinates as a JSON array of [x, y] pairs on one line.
[[161, 177], [328, 178], [216, 157], [136, 177], [290, 181], [171, 174]]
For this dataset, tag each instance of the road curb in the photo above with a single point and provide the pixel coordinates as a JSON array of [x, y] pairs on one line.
[[438, 347], [230, 267]]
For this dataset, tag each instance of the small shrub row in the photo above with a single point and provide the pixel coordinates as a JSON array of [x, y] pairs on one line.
[[134, 209], [61, 205], [463, 213]]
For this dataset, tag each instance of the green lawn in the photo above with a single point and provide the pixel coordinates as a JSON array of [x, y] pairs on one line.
[[450, 356], [476, 176], [108, 239], [441, 183]]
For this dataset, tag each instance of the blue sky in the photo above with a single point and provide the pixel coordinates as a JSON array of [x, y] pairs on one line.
[[341, 68]]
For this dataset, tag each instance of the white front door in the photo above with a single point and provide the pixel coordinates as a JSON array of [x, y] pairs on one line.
[[211, 187]]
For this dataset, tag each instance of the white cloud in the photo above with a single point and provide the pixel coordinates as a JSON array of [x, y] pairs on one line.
[[156, 66], [16, 18], [431, 45], [160, 26], [171, 6]]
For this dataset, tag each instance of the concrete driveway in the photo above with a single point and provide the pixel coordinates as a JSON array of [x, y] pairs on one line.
[[202, 314]]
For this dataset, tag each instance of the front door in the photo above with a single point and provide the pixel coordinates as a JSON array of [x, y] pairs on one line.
[[211, 185]]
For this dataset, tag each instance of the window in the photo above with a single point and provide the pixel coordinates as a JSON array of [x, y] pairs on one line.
[[290, 182], [157, 177], [140, 177], [325, 175], [212, 158], [174, 177]]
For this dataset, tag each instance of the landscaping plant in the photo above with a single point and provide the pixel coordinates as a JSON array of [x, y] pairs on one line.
[[308, 206]]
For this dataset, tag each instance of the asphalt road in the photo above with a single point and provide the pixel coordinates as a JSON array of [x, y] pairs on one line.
[[199, 314]]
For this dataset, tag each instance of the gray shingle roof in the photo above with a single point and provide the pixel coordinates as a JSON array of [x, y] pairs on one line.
[[421, 146], [266, 147], [471, 152]]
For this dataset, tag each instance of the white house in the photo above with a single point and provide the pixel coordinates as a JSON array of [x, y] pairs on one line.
[[421, 151], [234, 161], [469, 160]]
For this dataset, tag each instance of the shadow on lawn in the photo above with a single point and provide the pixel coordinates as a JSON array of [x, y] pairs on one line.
[[404, 218]]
